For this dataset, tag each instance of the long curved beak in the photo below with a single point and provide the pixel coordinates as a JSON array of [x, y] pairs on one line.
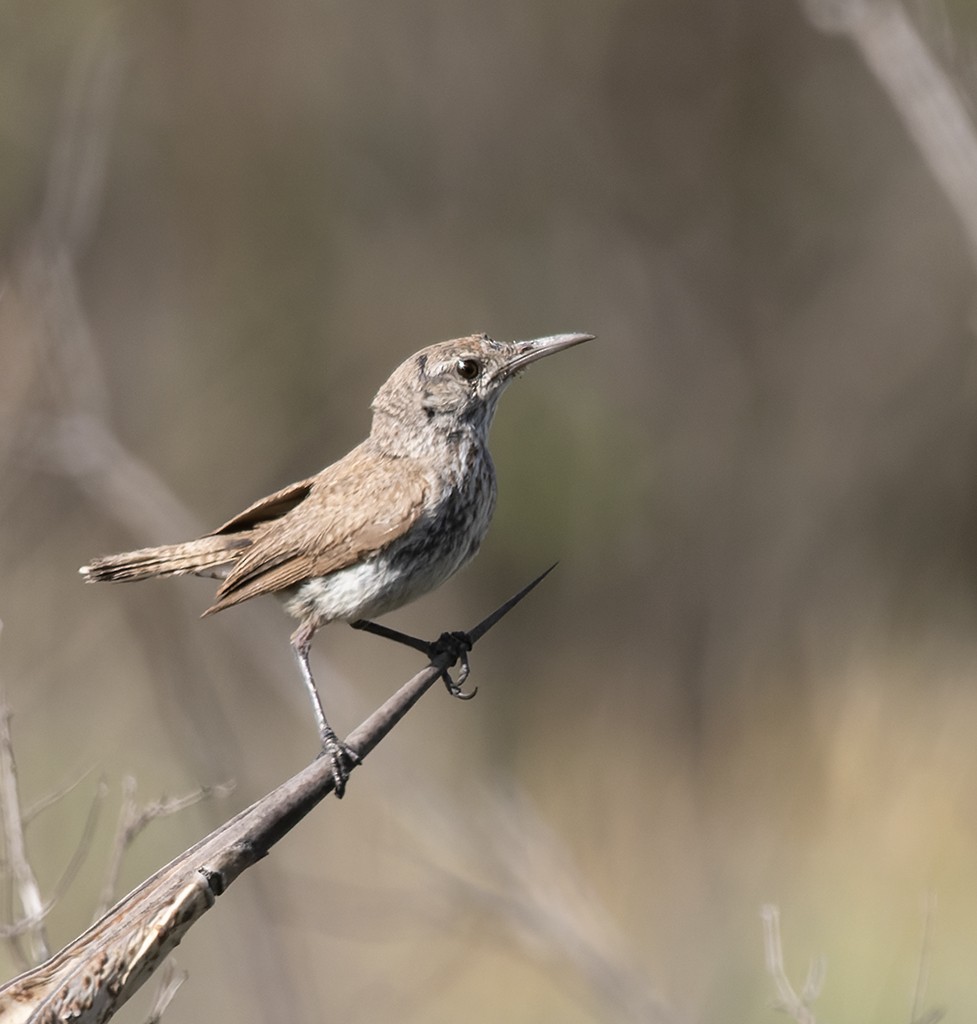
[[526, 352]]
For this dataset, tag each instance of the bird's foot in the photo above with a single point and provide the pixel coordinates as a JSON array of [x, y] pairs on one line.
[[454, 646], [342, 760], [449, 648]]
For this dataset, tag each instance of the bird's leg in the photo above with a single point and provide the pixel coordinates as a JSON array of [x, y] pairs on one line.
[[424, 646], [339, 754], [454, 646]]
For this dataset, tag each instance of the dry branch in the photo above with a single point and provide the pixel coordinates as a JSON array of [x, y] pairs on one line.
[[96, 973]]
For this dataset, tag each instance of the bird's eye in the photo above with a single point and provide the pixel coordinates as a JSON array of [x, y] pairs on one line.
[[468, 369]]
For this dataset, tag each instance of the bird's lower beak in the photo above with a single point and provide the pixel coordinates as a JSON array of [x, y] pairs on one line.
[[527, 352]]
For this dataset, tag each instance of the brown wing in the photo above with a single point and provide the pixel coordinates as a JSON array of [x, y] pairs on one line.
[[352, 509], [272, 507]]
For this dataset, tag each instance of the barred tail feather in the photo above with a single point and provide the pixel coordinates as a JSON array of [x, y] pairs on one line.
[[169, 560]]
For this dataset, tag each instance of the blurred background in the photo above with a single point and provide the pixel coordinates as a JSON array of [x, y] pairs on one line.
[[751, 680]]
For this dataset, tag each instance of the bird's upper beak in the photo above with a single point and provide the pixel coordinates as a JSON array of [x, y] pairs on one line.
[[526, 352]]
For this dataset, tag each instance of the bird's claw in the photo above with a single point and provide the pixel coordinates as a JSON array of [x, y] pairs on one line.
[[454, 688], [342, 759], [454, 646]]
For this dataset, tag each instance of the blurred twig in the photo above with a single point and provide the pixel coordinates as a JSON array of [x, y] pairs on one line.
[[545, 900], [918, 1015], [49, 799], [920, 90], [83, 846], [170, 982], [797, 1005], [29, 921], [517, 868], [22, 876]]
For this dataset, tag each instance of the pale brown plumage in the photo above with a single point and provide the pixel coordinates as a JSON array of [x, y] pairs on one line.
[[347, 513]]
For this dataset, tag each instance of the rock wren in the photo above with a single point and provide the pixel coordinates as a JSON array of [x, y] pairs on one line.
[[390, 521]]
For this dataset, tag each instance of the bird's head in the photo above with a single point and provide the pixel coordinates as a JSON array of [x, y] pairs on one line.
[[453, 387]]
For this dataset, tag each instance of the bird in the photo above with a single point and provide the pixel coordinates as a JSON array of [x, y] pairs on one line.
[[391, 520]]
